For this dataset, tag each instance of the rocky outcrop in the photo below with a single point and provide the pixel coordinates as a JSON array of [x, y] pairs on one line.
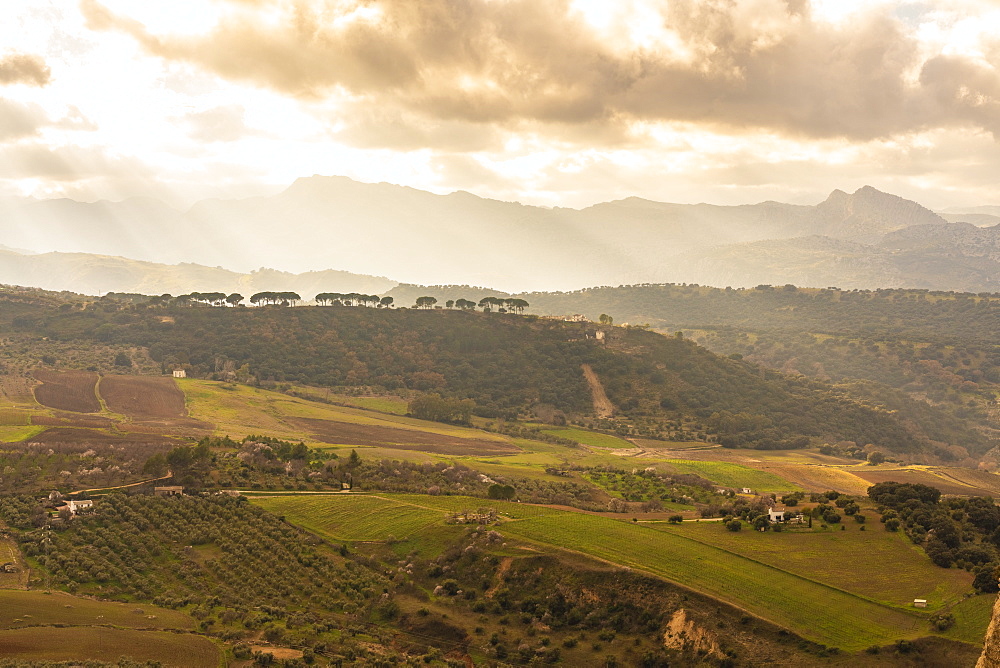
[[990, 657]]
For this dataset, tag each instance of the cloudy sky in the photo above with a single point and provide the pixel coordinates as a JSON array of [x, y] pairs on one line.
[[552, 102]]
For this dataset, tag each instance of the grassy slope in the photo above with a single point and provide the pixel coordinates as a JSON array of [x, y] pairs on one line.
[[36, 607], [895, 571], [815, 610], [239, 410]]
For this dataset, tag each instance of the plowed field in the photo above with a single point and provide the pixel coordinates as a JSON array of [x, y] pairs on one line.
[[82, 436], [72, 420], [143, 396], [343, 433], [67, 390], [925, 478]]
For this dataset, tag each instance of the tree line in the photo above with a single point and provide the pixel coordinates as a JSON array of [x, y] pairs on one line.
[[501, 305], [221, 299]]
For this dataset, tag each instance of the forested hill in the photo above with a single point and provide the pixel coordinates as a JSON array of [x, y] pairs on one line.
[[902, 313], [507, 364]]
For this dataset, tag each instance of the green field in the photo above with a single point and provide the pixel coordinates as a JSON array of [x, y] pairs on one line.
[[383, 404], [972, 616], [814, 587], [591, 438], [108, 644], [10, 417], [895, 570], [352, 518], [27, 608], [733, 475], [14, 434], [815, 611]]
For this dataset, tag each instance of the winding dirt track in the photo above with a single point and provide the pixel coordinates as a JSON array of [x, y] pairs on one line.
[[602, 405]]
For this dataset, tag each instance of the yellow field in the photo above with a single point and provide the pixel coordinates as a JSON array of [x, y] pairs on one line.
[[108, 644], [10, 553]]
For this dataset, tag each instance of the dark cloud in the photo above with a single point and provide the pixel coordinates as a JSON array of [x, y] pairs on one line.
[[505, 63], [23, 68]]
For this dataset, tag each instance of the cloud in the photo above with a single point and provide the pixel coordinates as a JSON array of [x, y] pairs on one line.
[[735, 64], [67, 163], [23, 68], [221, 124], [19, 120]]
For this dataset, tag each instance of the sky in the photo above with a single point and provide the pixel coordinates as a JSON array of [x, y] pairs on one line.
[[547, 102]]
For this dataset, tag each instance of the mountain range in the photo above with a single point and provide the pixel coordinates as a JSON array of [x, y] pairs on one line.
[[865, 239]]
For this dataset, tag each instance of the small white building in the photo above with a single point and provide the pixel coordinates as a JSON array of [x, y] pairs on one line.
[[76, 506], [180, 373], [776, 514], [746, 490], [920, 603]]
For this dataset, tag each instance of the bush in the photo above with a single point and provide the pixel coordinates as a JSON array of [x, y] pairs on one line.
[[675, 519], [734, 525]]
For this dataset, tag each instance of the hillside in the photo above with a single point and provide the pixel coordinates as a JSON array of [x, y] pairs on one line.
[[936, 347], [97, 274], [503, 541], [507, 365]]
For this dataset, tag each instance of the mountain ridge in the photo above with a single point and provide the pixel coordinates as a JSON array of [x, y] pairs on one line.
[[415, 236]]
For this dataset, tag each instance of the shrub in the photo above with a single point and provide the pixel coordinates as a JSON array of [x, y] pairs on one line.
[[734, 525]]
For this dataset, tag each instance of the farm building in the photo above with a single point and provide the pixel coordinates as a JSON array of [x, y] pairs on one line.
[[76, 506], [746, 490], [920, 603], [170, 490], [776, 514], [180, 373]]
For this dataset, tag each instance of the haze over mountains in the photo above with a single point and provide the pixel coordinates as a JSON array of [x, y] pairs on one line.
[[867, 239]]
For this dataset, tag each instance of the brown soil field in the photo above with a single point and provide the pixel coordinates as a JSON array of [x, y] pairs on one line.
[[174, 426], [143, 396], [988, 482], [72, 420], [67, 390], [16, 388], [925, 478], [343, 433], [76, 435]]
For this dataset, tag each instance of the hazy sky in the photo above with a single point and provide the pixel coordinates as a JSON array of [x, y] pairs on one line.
[[552, 102]]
